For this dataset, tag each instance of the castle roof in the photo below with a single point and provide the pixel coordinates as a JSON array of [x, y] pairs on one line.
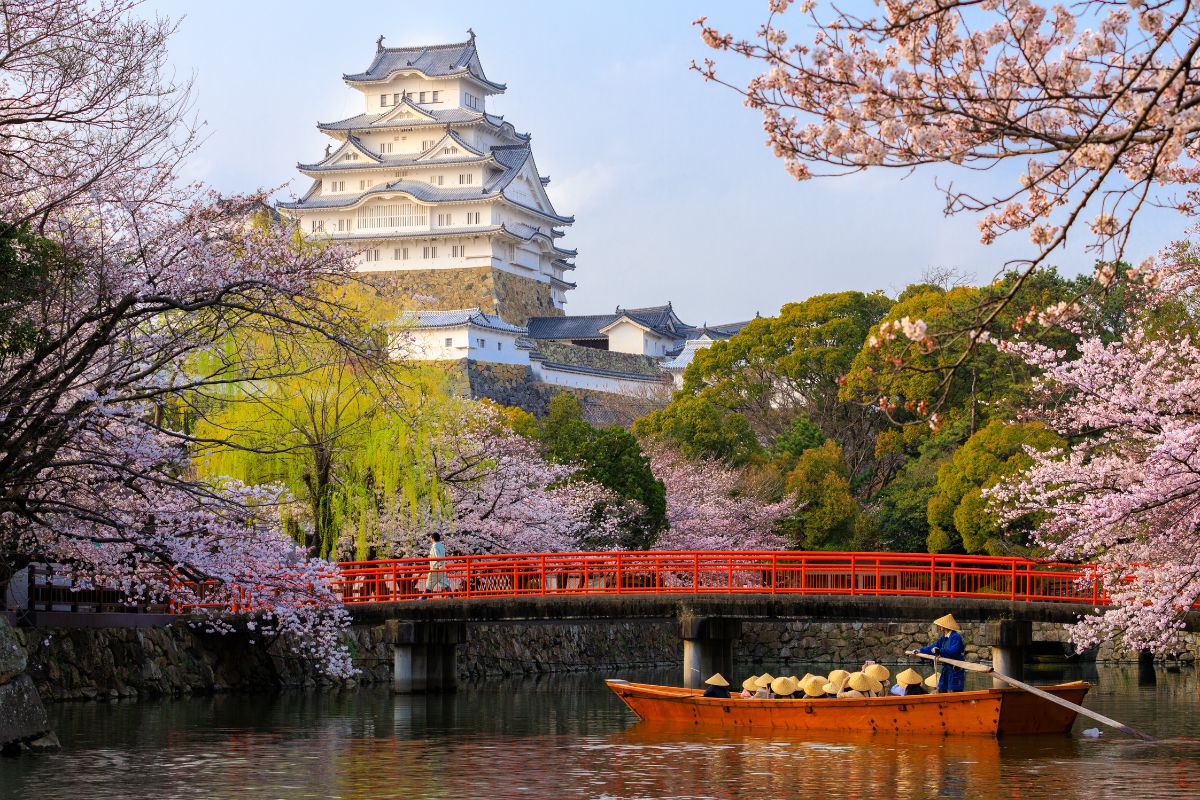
[[430, 116], [510, 157], [431, 61], [457, 318]]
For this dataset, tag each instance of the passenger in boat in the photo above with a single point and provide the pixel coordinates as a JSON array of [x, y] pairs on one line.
[[950, 645], [879, 673], [717, 686], [783, 688], [763, 686], [813, 688], [749, 687], [859, 685], [931, 683], [836, 682], [908, 683]]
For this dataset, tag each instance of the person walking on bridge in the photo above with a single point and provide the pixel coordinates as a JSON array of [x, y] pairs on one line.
[[437, 580], [949, 645]]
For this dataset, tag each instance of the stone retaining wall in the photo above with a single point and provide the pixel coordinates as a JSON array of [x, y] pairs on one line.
[[854, 642], [99, 663]]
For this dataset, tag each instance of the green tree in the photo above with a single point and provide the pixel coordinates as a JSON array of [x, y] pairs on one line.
[[829, 516], [611, 457], [797, 437], [697, 427], [958, 513]]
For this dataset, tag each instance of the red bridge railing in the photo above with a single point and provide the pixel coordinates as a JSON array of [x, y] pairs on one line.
[[718, 572]]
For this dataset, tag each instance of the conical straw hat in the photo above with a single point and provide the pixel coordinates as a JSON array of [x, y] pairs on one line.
[[807, 677], [717, 680], [947, 621], [860, 682], [877, 671], [814, 687], [764, 680], [932, 680], [838, 676], [783, 686], [910, 677], [751, 683]]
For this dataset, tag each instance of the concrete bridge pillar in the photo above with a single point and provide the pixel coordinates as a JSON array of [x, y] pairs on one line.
[[708, 647], [1008, 639], [424, 655]]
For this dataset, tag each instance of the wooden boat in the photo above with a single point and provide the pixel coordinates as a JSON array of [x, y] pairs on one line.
[[990, 712]]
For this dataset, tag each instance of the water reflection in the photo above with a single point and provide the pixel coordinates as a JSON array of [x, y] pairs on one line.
[[569, 737]]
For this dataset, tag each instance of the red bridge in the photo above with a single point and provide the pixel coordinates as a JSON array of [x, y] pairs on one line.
[[719, 572]]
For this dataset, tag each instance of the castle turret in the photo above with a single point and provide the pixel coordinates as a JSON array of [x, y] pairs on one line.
[[440, 197]]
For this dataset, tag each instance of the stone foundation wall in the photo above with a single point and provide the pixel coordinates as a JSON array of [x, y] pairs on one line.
[[513, 385], [513, 297], [518, 298], [854, 642], [100, 663]]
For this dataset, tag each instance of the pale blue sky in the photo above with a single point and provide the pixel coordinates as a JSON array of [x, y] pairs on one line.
[[675, 196]]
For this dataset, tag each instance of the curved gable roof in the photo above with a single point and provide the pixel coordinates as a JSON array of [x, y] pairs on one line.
[[433, 61]]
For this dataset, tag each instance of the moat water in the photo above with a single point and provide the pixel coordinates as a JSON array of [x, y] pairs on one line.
[[569, 737]]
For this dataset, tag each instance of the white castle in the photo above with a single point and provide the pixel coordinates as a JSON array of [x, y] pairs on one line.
[[444, 200]]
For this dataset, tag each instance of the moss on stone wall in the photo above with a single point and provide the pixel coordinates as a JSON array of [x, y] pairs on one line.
[[513, 297]]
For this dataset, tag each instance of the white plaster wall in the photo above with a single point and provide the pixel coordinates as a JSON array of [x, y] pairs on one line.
[[430, 345], [625, 337], [613, 385]]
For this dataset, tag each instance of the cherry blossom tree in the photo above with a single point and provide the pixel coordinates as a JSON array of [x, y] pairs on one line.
[[1093, 110], [709, 509], [498, 494], [121, 290], [1125, 493]]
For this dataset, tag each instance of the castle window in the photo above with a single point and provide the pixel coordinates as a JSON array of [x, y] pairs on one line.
[[466, 179], [435, 96], [436, 180], [426, 144], [449, 342], [429, 252], [445, 220], [400, 254], [472, 217], [396, 99], [371, 255], [392, 215], [422, 97], [383, 99], [482, 342], [337, 186], [458, 251], [499, 345], [318, 225]]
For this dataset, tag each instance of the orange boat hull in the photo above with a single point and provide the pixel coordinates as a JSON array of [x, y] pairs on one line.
[[991, 712]]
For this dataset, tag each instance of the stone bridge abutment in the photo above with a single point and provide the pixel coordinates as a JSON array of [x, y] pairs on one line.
[[425, 635]]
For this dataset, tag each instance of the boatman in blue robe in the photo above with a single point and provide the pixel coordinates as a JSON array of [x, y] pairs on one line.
[[949, 645]]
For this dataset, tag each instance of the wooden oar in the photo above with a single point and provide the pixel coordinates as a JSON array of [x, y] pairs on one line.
[[1134, 732]]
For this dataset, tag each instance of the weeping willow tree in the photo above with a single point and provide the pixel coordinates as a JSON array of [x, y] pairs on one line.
[[348, 437]]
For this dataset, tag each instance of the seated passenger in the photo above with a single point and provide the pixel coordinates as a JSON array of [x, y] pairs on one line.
[[749, 686], [717, 686], [836, 682], [859, 684], [813, 687], [908, 683], [931, 683], [783, 688], [763, 686], [880, 673]]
